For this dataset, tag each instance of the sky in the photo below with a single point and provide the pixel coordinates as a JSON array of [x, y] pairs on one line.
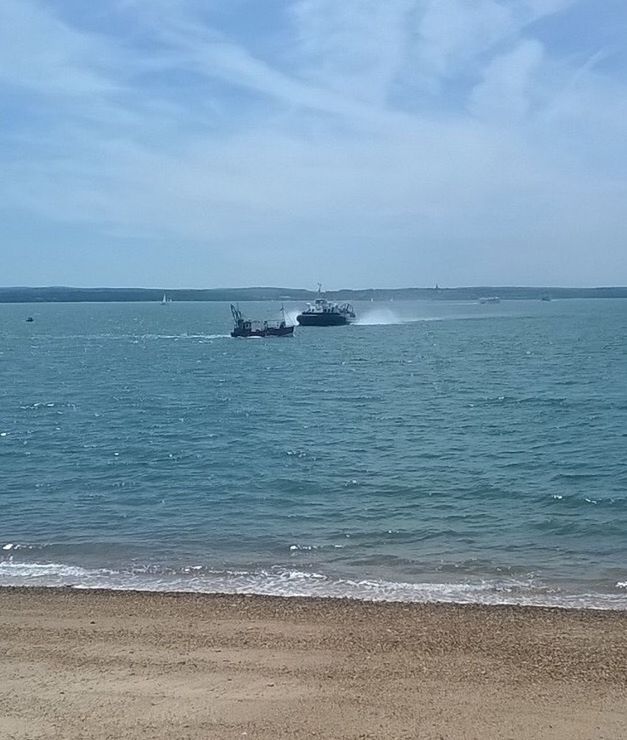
[[359, 143]]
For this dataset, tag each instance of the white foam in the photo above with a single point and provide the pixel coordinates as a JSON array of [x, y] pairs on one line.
[[290, 317], [291, 583], [11, 570], [183, 336], [388, 317], [136, 337], [379, 317]]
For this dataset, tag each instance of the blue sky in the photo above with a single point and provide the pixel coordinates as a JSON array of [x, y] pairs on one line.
[[201, 143]]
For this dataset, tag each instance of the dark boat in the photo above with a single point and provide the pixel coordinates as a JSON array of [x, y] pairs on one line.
[[326, 313], [29, 319], [248, 328]]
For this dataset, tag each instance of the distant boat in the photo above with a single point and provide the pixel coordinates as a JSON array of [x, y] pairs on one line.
[[29, 319], [545, 297], [326, 313], [248, 328], [165, 300], [490, 299]]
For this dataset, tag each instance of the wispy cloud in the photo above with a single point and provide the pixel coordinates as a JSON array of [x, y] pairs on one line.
[[41, 54], [457, 37], [457, 137], [506, 89], [357, 47]]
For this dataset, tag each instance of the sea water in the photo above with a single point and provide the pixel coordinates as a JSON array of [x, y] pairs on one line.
[[433, 451]]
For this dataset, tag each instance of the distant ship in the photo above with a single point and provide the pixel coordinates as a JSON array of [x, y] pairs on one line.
[[326, 313], [165, 300], [249, 328], [490, 299], [545, 297]]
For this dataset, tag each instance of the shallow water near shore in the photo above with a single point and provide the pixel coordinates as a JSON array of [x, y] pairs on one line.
[[434, 451]]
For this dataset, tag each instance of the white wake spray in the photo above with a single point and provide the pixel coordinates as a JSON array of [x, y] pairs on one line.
[[379, 317]]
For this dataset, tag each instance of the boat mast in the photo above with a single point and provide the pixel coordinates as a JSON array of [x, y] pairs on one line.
[[237, 314]]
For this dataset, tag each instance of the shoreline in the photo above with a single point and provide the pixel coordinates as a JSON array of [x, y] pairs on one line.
[[112, 663], [314, 599], [67, 294], [283, 583]]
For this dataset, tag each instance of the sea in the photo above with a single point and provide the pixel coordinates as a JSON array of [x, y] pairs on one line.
[[434, 451]]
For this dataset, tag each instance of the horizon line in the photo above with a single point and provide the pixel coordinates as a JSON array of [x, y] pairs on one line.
[[312, 290]]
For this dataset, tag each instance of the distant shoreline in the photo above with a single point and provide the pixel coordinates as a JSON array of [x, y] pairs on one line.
[[136, 295]]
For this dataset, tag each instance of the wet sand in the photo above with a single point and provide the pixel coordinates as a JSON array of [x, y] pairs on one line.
[[97, 664]]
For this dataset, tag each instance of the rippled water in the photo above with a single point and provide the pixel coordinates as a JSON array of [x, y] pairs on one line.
[[433, 451]]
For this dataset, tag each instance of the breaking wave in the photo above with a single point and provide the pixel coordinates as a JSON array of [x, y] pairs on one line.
[[292, 583]]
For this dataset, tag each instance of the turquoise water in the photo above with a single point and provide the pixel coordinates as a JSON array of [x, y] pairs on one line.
[[434, 451]]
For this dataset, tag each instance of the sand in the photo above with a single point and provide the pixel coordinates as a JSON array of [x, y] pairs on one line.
[[97, 664]]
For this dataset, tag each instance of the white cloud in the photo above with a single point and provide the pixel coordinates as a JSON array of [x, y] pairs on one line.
[[356, 47], [40, 53], [508, 81], [152, 141], [454, 32], [456, 35]]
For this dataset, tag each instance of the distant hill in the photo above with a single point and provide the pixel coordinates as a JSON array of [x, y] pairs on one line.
[[87, 295], [123, 295]]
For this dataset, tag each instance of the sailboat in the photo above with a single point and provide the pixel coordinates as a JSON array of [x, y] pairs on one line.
[[165, 300]]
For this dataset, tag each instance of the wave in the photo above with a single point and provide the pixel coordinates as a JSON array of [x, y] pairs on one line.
[[296, 583], [523, 400], [135, 337], [181, 336]]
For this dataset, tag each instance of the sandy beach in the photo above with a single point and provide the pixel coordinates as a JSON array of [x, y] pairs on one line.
[[83, 664]]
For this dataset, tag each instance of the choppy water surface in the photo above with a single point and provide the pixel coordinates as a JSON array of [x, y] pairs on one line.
[[434, 451]]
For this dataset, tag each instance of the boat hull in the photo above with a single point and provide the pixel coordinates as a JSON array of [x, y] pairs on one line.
[[322, 319], [270, 331], [279, 331]]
